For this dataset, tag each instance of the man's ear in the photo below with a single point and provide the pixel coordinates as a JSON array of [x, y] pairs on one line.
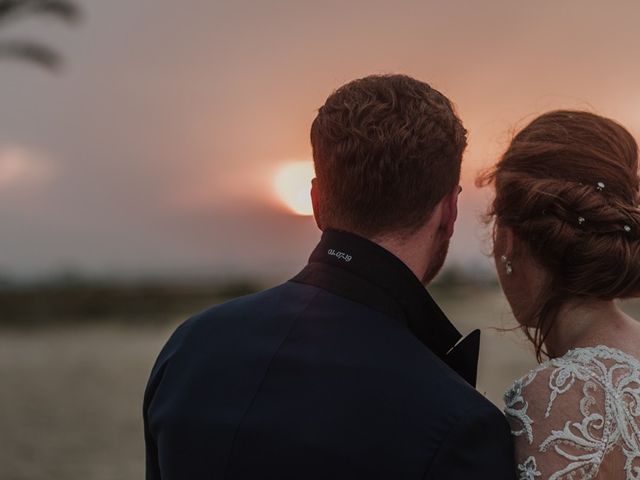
[[450, 211], [315, 202]]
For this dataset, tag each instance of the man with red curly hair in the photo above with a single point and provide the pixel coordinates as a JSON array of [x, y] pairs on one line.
[[349, 370]]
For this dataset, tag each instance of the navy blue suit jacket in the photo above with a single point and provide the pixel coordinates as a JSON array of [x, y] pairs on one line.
[[344, 372]]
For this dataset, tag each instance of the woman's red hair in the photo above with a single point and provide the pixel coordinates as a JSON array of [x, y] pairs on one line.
[[567, 186]]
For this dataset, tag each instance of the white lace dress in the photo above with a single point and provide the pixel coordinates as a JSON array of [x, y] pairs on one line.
[[578, 417]]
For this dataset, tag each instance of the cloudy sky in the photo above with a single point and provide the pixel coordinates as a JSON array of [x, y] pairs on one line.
[[154, 151]]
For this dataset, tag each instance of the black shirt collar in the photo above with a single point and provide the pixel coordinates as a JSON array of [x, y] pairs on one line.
[[394, 287]]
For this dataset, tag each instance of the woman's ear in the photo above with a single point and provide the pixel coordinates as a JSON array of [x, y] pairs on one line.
[[509, 242], [315, 202], [504, 241]]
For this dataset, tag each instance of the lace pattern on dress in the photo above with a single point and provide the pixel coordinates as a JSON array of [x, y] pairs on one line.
[[528, 470], [615, 377]]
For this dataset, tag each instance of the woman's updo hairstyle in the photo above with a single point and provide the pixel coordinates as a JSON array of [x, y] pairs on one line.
[[567, 186]]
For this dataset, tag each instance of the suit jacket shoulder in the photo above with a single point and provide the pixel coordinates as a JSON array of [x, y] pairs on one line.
[[298, 382]]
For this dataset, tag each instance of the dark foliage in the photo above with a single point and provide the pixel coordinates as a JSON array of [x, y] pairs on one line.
[[34, 52]]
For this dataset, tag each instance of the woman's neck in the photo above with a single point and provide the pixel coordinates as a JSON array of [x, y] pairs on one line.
[[582, 323]]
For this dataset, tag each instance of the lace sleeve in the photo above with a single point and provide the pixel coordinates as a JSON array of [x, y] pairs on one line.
[[564, 419]]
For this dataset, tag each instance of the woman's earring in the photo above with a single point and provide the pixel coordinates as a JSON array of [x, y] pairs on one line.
[[507, 264]]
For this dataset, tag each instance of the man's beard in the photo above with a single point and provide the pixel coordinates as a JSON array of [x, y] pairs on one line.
[[437, 260]]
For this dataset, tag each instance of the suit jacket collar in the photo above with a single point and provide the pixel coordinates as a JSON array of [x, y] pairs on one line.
[[359, 269]]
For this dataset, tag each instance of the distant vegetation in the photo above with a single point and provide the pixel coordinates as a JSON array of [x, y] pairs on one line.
[[457, 277], [76, 301], [30, 50]]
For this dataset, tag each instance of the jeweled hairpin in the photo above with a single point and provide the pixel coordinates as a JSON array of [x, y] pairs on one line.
[[627, 228], [600, 186], [581, 220]]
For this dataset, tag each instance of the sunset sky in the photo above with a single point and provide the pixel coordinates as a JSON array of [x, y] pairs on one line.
[[155, 151]]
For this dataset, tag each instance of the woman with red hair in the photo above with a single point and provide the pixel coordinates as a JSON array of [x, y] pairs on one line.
[[566, 246]]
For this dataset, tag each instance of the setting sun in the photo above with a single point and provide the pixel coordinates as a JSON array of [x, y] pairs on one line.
[[292, 184]]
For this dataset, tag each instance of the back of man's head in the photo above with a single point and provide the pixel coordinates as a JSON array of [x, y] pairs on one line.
[[387, 149]]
